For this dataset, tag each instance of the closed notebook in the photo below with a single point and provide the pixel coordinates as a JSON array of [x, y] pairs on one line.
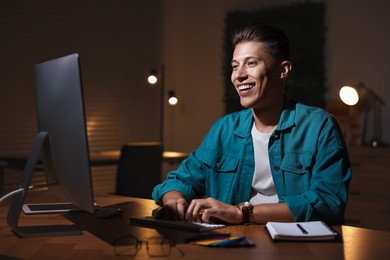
[[313, 230]]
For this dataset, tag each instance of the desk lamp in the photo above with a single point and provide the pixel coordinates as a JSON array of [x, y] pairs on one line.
[[360, 94]]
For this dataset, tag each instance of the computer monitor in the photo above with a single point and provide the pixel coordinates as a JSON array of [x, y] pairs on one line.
[[62, 141]]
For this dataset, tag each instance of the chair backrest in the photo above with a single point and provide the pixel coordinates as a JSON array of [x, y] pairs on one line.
[[139, 169]]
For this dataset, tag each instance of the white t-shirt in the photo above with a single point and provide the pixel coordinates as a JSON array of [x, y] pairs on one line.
[[263, 188]]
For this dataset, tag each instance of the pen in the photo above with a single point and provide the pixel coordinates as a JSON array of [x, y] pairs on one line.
[[302, 229]]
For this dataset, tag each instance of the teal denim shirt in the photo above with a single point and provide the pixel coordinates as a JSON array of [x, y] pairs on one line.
[[308, 157]]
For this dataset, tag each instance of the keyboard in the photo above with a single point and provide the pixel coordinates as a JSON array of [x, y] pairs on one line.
[[149, 221]]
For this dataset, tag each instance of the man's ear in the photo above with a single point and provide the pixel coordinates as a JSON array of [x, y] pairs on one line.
[[285, 69]]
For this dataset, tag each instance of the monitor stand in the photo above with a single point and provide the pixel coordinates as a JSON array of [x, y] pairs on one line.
[[18, 201], [49, 208]]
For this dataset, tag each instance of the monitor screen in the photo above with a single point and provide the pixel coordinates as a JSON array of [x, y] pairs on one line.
[[61, 142], [61, 114]]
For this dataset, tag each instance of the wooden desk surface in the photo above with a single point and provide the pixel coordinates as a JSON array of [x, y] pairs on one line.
[[99, 234]]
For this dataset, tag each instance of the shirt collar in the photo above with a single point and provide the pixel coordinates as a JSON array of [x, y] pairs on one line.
[[287, 117], [286, 120]]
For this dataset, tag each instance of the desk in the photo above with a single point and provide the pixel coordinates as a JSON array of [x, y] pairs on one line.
[[357, 243]]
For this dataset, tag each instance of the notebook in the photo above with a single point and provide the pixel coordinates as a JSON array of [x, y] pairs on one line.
[[176, 224], [312, 230]]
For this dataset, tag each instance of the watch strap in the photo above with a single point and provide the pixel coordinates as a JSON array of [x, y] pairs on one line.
[[246, 209]]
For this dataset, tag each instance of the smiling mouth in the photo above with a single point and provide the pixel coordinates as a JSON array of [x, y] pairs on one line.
[[246, 87]]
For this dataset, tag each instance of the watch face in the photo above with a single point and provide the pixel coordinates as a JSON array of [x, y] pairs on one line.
[[244, 204], [245, 207]]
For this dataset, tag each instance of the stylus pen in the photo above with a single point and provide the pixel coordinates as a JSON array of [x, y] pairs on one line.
[[302, 229]]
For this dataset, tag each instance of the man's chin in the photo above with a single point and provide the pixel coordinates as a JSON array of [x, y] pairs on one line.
[[246, 104]]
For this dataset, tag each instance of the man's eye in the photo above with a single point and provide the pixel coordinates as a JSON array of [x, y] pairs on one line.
[[234, 67], [251, 63]]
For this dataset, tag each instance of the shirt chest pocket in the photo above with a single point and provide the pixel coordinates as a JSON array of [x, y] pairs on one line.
[[220, 163], [220, 174], [297, 163], [296, 169]]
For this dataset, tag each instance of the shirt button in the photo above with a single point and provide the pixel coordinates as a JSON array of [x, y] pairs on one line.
[[299, 166], [276, 168]]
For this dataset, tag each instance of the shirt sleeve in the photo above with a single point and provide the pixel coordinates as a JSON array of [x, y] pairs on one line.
[[326, 197], [187, 179], [212, 169]]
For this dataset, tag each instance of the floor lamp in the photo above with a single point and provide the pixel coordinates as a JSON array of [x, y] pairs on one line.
[[360, 93], [158, 78]]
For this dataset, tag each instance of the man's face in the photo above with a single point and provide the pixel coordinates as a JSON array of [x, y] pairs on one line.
[[255, 75]]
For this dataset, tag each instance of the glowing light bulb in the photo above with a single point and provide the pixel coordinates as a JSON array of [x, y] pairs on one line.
[[172, 101], [349, 95], [152, 79]]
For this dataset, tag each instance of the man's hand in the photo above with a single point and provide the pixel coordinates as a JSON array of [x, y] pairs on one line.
[[175, 205], [209, 210]]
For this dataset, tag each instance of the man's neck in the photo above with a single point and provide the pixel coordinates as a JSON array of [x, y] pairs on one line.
[[267, 120]]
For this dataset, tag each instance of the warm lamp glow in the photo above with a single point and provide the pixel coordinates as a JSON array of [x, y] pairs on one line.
[[152, 79], [349, 95], [172, 101]]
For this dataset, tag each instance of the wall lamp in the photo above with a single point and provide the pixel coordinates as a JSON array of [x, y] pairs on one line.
[[360, 94], [155, 78]]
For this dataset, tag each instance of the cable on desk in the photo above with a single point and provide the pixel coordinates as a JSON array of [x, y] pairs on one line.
[[20, 190], [12, 193]]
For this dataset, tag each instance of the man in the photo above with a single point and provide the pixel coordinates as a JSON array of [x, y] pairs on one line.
[[277, 160]]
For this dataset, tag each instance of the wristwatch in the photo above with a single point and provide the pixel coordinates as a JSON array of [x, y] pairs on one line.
[[246, 209]]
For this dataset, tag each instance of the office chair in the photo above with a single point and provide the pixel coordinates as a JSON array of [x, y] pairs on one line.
[[139, 169]]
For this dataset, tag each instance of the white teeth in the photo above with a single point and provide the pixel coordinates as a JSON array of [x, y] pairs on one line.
[[245, 87]]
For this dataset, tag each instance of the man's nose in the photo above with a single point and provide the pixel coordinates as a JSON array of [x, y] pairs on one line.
[[241, 73]]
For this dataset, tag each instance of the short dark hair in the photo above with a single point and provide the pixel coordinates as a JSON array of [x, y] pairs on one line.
[[276, 41]]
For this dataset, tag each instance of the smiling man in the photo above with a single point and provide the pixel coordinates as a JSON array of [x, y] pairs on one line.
[[276, 160]]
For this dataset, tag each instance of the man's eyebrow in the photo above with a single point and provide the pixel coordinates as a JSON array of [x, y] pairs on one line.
[[246, 58]]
